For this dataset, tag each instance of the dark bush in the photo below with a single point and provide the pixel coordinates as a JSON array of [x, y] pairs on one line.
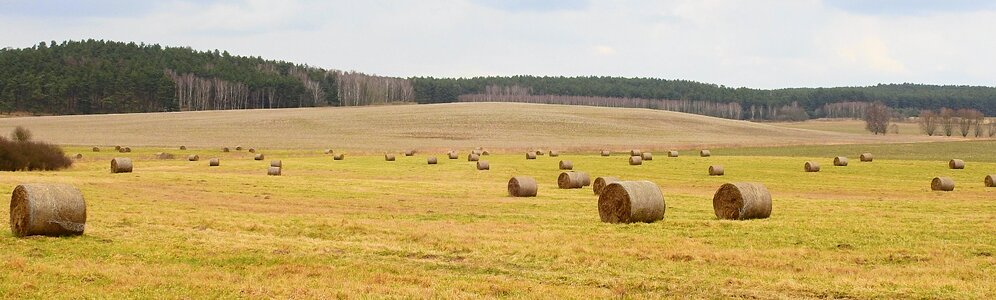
[[25, 155]]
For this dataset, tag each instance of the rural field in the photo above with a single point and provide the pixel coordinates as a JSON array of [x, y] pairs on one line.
[[363, 227]]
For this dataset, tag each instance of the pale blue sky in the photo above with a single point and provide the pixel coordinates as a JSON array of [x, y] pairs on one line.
[[759, 43]]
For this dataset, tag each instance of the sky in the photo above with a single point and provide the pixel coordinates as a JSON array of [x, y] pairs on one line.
[[757, 43]]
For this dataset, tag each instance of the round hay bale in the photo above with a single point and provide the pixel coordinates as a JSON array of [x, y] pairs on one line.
[[258, 156], [742, 201], [539, 152], [522, 186], [601, 182], [339, 156], [238, 148], [483, 165], [956, 164], [389, 157], [635, 160], [476, 152], [566, 165], [630, 202], [812, 166], [453, 155], [942, 184], [473, 157], [252, 150], [327, 151], [126, 149], [193, 157], [47, 209], [647, 156], [554, 153], [485, 152], [431, 160], [183, 147], [273, 171], [277, 163], [121, 165], [409, 152], [705, 153], [866, 157], [840, 161], [716, 170], [226, 150], [164, 155], [117, 148], [214, 162], [606, 153], [672, 153], [573, 180], [991, 180], [530, 155], [78, 156], [96, 149], [635, 152]]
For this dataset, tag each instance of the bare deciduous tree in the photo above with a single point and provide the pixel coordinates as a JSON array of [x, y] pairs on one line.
[[877, 118], [928, 122], [947, 116]]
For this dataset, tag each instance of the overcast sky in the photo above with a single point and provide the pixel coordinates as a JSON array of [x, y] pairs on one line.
[[760, 44]]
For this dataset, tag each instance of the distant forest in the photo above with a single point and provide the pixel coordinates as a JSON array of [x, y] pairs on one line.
[[95, 76]]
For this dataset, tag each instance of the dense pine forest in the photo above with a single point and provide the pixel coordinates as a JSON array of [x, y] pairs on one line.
[[84, 77]]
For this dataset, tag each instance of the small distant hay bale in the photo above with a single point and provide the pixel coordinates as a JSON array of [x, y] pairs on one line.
[[121, 165], [389, 157], [539, 152], [339, 156], [554, 153], [327, 151], [78, 156], [125, 150], [530, 155], [945, 184], [716, 170], [476, 151], [238, 148], [866, 157], [812, 166], [635, 152], [601, 182], [183, 147], [605, 153], [473, 157], [840, 161], [193, 157], [47, 209], [164, 155], [672, 153], [258, 156], [573, 180], [566, 165], [431, 160], [631, 202], [277, 163], [252, 150], [96, 149], [742, 201], [273, 171], [409, 152], [705, 153], [635, 160], [483, 165], [225, 149], [522, 186], [453, 155], [956, 164], [485, 152], [117, 148], [647, 156], [214, 162], [991, 180]]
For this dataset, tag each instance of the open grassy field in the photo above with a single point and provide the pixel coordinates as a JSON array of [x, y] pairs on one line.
[[850, 126], [364, 227]]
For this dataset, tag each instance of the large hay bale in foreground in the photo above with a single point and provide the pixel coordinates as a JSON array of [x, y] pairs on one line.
[[566, 165], [339, 156], [409, 152], [193, 157], [483, 165], [647, 156], [431, 160], [273, 171], [530, 155], [630, 202], [522, 186], [47, 209], [214, 162], [945, 184], [705, 153], [183, 147], [96, 149], [672, 153], [121, 165], [990, 180], [473, 157], [716, 170], [840, 161], [258, 156], [956, 164], [635, 152], [277, 163], [742, 201], [866, 157], [605, 153], [573, 180], [389, 157], [812, 166], [554, 153], [601, 182], [635, 160], [453, 155]]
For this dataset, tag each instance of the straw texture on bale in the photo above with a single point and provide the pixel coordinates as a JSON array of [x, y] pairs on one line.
[[742, 201], [47, 209], [573, 180], [942, 184], [991, 180], [96, 149], [716, 170], [866, 157], [473, 157], [631, 202], [78, 155], [812, 166], [672, 153], [225, 149], [635, 160], [522, 186], [277, 163], [606, 152], [530, 155], [647, 156], [258, 156], [409, 152], [273, 171], [183, 147], [635, 152], [193, 157], [121, 165], [454, 155], [956, 164], [431, 160], [705, 153], [554, 153], [164, 155], [214, 162], [566, 165], [601, 182], [840, 161], [483, 165], [389, 157]]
